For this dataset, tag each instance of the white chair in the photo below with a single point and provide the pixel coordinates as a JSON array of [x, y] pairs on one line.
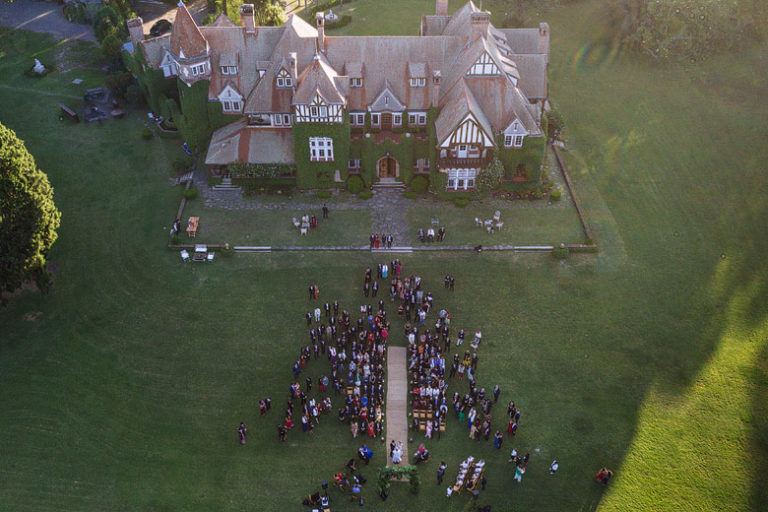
[[497, 216], [499, 226], [478, 222], [296, 223], [303, 231], [209, 256], [184, 255], [489, 228]]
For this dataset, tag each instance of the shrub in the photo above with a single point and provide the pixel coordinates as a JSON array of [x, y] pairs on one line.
[[345, 20], [107, 22], [560, 252], [365, 194], [556, 194], [461, 203], [190, 193], [410, 194], [355, 184], [324, 194], [76, 12], [146, 133], [419, 184]]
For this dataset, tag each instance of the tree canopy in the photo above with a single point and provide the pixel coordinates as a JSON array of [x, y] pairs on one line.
[[28, 217]]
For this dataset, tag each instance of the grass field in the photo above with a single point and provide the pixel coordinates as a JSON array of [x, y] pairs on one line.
[[123, 388]]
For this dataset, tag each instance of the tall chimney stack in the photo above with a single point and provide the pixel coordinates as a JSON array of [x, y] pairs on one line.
[[480, 22], [135, 31], [248, 18], [436, 77], [441, 7], [320, 23]]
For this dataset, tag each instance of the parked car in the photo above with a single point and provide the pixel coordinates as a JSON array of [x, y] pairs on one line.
[[160, 28]]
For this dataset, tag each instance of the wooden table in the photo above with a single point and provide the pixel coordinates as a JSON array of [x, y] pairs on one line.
[[192, 226]]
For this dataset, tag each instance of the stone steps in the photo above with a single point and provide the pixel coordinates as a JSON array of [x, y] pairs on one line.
[[226, 186]]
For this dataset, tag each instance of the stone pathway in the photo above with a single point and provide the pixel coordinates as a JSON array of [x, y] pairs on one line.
[[397, 401], [388, 210]]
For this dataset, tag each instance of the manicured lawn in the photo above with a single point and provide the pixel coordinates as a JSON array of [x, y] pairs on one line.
[[123, 388]]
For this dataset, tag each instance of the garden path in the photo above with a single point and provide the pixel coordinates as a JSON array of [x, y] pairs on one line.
[[397, 400], [388, 210]]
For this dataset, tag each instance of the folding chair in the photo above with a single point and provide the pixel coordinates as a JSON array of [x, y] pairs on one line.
[[209, 256], [184, 255]]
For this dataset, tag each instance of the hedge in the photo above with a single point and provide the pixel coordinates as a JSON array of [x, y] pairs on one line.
[[419, 184], [355, 184], [241, 169]]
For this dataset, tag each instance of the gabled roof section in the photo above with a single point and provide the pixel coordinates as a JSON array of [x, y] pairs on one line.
[[460, 103], [222, 21], [300, 27], [386, 100], [319, 77], [186, 38], [460, 24]]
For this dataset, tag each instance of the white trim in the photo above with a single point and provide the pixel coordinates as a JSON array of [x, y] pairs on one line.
[[320, 149]]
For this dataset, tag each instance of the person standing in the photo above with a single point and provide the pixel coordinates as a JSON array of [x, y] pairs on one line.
[[496, 393], [241, 430], [311, 292], [374, 289], [325, 211], [441, 472], [498, 439]]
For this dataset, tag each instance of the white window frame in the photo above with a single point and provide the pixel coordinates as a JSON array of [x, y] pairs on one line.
[[313, 112], [356, 82], [228, 70], [321, 149], [287, 120], [412, 119], [277, 119], [354, 163], [230, 106], [508, 141], [422, 119], [461, 179], [357, 118], [375, 119], [518, 141], [418, 82], [198, 69], [397, 119]]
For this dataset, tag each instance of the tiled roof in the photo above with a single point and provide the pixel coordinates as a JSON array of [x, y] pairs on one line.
[[239, 142], [319, 77], [186, 38], [455, 107]]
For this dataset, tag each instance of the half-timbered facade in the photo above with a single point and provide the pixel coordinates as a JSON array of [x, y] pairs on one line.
[[472, 90]]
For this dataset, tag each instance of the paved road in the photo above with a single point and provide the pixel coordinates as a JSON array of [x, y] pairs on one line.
[[40, 16]]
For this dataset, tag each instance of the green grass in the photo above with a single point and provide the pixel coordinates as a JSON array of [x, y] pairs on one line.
[[123, 387]]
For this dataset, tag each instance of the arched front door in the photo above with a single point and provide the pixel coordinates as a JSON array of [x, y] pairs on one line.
[[388, 167]]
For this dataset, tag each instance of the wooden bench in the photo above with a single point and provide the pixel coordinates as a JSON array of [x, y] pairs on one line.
[[69, 113]]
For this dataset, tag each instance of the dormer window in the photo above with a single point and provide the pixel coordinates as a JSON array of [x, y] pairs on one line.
[[284, 80], [418, 82], [198, 69], [515, 141], [228, 70], [230, 106], [355, 82]]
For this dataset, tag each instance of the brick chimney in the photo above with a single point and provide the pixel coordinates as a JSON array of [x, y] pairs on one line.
[[441, 7], [135, 31], [248, 18], [480, 22], [320, 24], [436, 77]]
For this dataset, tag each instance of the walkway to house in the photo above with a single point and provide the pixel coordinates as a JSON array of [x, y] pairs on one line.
[[388, 209], [397, 400]]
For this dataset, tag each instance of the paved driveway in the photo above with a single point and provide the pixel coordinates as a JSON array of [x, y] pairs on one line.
[[40, 16]]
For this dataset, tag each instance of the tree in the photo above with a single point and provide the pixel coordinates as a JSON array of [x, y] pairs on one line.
[[111, 47], [28, 217]]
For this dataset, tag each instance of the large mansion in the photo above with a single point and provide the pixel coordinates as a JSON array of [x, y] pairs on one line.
[[457, 94]]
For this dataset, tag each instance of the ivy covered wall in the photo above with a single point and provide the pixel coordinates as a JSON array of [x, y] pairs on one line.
[[530, 157], [156, 88], [320, 174], [199, 117]]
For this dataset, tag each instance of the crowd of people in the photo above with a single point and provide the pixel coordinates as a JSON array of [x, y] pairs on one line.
[[430, 236]]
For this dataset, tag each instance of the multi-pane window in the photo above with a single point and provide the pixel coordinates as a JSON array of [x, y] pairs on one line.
[[321, 149], [228, 70], [513, 140], [397, 119], [508, 141], [518, 141], [355, 82], [418, 82], [417, 119], [287, 120], [354, 163], [357, 118], [461, 179], [375, 119], [284, 80], [198, 69], [230, 106]]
